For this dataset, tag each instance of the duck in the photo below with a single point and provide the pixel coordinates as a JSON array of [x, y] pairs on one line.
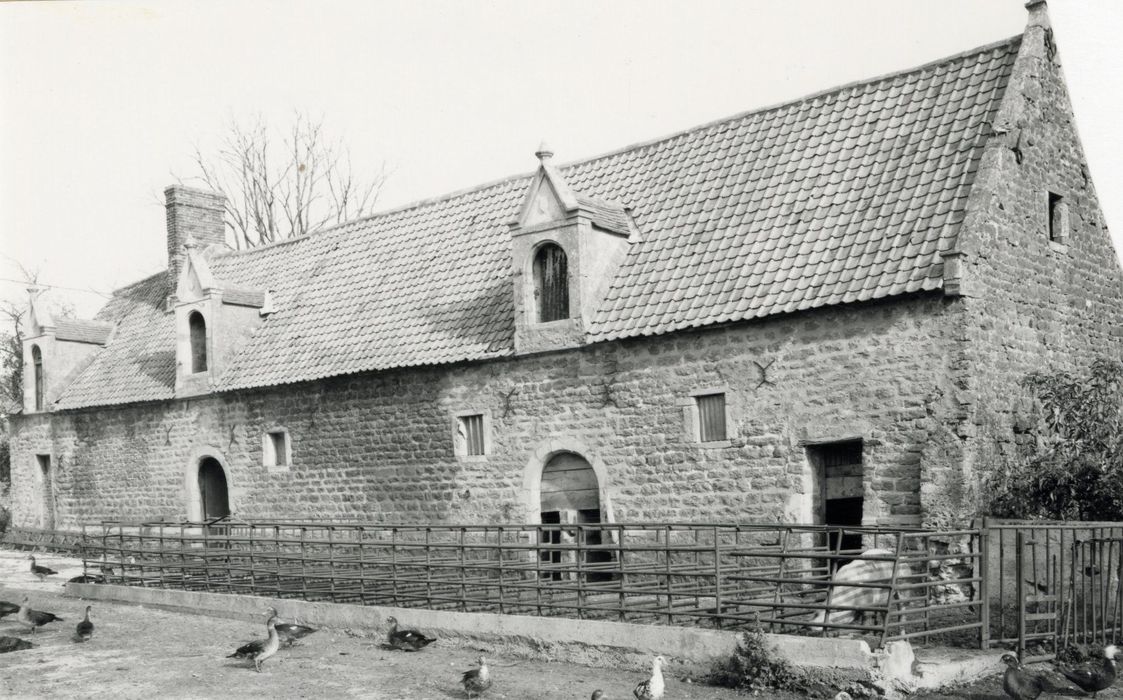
[[87, 578], [84, 632], [652, 688], [1095, 676], [34, 619], [1019, 683], [477, 680], [42, 572], [261, 649], [290, 633], [13, 644], [406, 640], [7, 608], [842, 695], [598, 694]]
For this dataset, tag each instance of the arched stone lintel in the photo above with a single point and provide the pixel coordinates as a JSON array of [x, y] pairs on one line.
[[532, 476]]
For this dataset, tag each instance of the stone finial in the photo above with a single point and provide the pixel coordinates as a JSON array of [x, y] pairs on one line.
[[189, 243], [544, 153]]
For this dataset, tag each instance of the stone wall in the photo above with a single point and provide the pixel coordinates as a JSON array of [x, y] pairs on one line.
[[380, 446], [1032, 303]]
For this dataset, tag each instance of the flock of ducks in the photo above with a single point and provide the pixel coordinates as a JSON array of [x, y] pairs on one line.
[[1094, 676], [280, 634], [1018, 682]]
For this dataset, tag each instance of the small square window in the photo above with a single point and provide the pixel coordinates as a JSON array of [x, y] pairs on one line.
[[276, 452], [1058, 218], [711, 417], [470, 431]]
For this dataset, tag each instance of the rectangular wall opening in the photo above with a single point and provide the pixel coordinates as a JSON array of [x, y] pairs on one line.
[[839, 492], [47, 505]]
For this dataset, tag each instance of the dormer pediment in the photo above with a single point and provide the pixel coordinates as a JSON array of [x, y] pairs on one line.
[[549, 199], [39, 318], [195, 279]]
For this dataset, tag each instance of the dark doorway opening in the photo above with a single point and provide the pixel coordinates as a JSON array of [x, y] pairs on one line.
[[213, 492], [570, 495], [839, 489]]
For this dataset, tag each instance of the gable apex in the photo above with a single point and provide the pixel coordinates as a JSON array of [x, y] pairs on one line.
[[195, 277], [40, 320], [547, 199]]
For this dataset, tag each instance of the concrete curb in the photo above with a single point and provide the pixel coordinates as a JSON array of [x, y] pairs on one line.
[[894, 669]]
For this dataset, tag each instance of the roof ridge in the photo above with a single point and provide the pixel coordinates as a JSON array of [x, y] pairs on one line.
[[142, 280], [447, 196], [1016, 39]]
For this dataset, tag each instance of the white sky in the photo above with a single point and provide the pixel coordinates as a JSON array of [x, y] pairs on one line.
[[101, 102]]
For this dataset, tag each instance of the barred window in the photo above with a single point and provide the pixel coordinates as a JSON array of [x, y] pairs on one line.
[[711, 417], [471, 432], [551, 283]]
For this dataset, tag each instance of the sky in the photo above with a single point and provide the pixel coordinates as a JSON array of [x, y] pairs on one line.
[[102, 103]]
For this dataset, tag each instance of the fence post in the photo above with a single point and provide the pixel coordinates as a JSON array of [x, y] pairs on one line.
[[984, 582], [717, 577], [1020, 590]]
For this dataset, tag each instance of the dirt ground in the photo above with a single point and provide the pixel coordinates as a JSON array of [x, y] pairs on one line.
[[140, 652]]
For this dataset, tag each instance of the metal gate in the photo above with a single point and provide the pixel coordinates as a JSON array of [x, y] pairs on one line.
[[1054, 584]]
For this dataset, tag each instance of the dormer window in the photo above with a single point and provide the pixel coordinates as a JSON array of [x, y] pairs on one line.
[[197, 327], [551, 283], [37, 362]]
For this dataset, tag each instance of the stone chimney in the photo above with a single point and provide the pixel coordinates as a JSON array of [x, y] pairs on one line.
[[192, 214]]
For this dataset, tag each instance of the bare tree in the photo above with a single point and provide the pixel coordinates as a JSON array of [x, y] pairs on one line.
[[277, 187]]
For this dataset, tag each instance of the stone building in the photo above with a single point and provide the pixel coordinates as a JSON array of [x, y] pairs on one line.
[[816, 311]]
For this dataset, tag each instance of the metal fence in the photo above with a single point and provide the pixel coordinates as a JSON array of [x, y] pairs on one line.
[[910, 584], [66, 541], [1054, 584]]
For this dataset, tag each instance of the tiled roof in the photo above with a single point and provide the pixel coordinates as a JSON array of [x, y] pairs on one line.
[[82, 330], [844, 196]]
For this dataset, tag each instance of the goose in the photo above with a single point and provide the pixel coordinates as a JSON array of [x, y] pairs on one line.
[[406, 640], [87, 578], [84, 632], [42, 572], [652, 688], [13, 644], [477, 680], [261, 649], [290, 633], [1019, 683], [7, 608], [34, 619], [1094, 677]]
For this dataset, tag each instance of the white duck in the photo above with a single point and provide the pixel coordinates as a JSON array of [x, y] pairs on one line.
[[652, 688]]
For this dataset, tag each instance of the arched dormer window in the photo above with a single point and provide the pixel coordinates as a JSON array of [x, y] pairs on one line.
[[197, 328], [40, 383], [551, 283]]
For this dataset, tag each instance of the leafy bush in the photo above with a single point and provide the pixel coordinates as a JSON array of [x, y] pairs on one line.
[[754, 667], [1074, 471]]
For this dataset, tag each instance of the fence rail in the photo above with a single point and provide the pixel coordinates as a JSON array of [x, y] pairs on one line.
[[913, 584]]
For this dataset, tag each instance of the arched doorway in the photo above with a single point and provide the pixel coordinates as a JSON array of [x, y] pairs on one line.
[[570, 495], [213, 492]]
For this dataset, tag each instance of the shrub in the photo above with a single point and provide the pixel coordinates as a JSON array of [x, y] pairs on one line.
[[1072, 472], [755, 667]]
